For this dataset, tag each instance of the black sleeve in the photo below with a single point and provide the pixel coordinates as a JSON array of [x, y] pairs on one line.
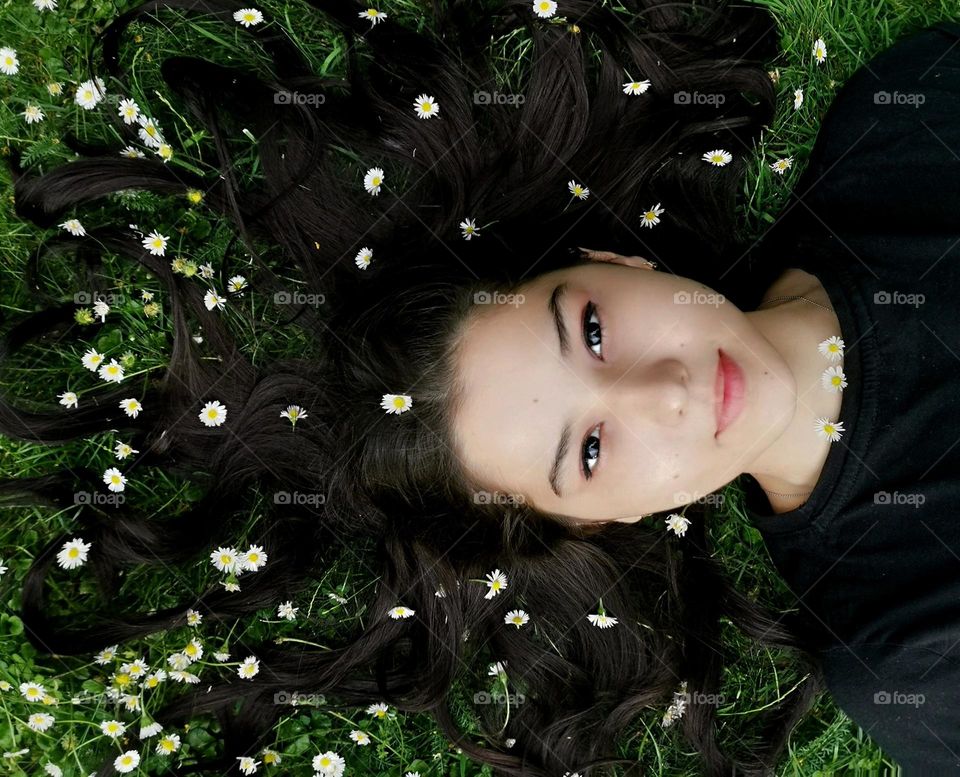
[[905, 698], [888, 148]]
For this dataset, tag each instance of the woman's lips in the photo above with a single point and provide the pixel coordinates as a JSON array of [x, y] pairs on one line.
[[728, 391]]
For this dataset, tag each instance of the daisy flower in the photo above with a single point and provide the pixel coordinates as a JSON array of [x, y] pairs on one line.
[[828, 430], [577, 190], [91, 360], [469, 228], [168, 744], [182, 676], [90, 93], [832, 348], [115, 479], [781, 165], [497, 669], [33, 114], [152, 680], [106, 655], [372, 180], [254, 558], [112, 372], [132, 153], [287, 610], [123, 450], [152, 729], [601, 620], [328, 763], [155, 243], [426, 106], [652, 216], [636, 87], [293, 413], [73, 553], [247, 764], [40, 721], [8, 61], [496, 582], [249, 667], [271, 756], [149, 131], [213, 300], [820, 50], [373, 15], [400, 611], [45, 5], [225, 559], [718, 157], [112, 728], [248, 16], [128, 110], [68, 399], [833, 379], [74, 227], [131, 406], [378, 710], [213, 413], [32, 691], [236, 284], [101, 308], [193, 617], [396, 403], [797, 98], [517, 617], [544, 8], [51, 768], [360, 737], [677, 524], [363, 258], [55, 88]]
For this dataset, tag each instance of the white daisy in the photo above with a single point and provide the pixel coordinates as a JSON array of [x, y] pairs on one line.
[[151, 729], [828, 430], [123, 450], [128, 110], [90, 93], [363, 258], [781, 165], [378, 710], [833, 379], [131, 153], [112, 728], [820, 50], [106, 655], [500, 667], [373, 15], [73, 553], [74, 227], [213, 300], [636, 87], [225, 559], [254, 558], [45, 5], [101, 308], [249, 667], [544, 8], [832, 348], [578, 190], [293, 413], [496, 582], [112, 372], [115, 479], [602, 621], [360, 737], [193, 617], [9, 65], [131, 406], [165, 151], [372, 180], [469, 228], [168, 744], [248, 16], [287, 610], [33, 114], [677, 524], [51, 768], [517, 617], [651, 216], [426, 106], [247, 764], [328, 764], [797, 98], [32, 691], [718, 157], [40, 721], [236, 284], [400, 611], [68, 399], [213, 413], [155, 243], [91, 360], [396, 403], [55, 88], [149, 131], [126, 761]]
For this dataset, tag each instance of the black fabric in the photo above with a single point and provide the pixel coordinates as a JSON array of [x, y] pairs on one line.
[[877, 212]]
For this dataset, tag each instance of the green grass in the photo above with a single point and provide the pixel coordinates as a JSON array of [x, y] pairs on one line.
[[52, 46]]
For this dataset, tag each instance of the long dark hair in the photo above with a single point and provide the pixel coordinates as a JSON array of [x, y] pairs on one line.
[[394, 498]]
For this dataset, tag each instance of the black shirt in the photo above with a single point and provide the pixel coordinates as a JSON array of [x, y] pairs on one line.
[[873, 555]]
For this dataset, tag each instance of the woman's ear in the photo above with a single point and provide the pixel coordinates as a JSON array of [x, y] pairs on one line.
[[609, 256]]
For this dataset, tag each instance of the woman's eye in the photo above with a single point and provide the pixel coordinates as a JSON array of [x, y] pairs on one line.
[[591, 451], [592, 331]]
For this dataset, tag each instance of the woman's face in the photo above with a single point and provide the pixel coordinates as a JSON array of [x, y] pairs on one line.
[[636, 396]]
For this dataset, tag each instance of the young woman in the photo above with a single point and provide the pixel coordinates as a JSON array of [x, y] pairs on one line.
[[536, 344]]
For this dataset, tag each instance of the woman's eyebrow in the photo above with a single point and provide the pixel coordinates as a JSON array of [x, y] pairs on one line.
[[553, 305]]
